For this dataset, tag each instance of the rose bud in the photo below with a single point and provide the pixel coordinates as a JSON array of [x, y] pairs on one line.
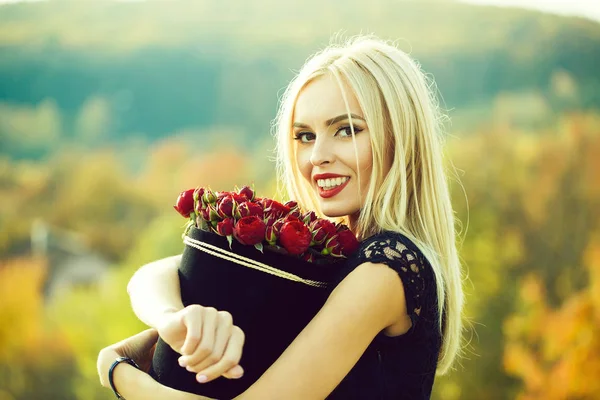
[[238, 198], [185, 203], [295, 213], [309, 217], [209, 197], [204, 212], [198, 193], [269, 219], [199, 205], [271, 235], [278, 224], [249, 230], [225, 206], [322, 229], [341, 227], [348, 242], [295, 237], [220, 195], [247, 209], [225, 227], [278, 209], [213, 214], [331, 247], [247, 192], [265, 202], [309, 257], [291, 204]]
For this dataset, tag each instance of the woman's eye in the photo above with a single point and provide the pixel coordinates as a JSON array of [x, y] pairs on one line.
[[346, 131], [304, 137]]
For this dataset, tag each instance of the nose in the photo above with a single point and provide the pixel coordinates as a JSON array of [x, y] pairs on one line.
[[322, 153]]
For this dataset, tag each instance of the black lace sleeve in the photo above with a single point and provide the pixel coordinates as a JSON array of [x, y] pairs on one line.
[[400, 254]]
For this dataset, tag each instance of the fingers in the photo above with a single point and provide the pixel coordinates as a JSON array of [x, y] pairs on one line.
[[215, 337], [234, 373], [205, 353], [105, 358], [228, 361], [192, 318]]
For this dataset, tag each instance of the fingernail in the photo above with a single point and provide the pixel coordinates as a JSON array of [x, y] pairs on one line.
[[237, 372], [182, 362], [201, 378]]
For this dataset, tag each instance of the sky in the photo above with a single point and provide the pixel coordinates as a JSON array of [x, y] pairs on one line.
[[583, 8]]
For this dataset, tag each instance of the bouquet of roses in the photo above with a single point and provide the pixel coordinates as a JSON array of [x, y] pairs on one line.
[[269, 264]]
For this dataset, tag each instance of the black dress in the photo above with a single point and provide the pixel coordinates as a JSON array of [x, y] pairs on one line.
[[401, 367]]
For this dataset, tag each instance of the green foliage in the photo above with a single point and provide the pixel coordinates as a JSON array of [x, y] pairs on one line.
[[226, 68]]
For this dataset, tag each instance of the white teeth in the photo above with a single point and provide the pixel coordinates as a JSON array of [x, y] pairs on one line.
[[331, 182]]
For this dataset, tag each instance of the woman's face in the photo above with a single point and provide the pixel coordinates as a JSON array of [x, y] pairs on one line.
[[325, 151]]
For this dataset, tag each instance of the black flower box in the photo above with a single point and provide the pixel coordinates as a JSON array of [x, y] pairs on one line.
[[271, 297]]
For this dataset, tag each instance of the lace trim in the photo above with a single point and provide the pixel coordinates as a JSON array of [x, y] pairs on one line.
[[408, 263]]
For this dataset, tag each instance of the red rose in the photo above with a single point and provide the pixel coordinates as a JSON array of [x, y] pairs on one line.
[[249, 230], [348, 242], [322, 230], [225, 206], [185, 203], [277, 209], [247, 192], [247, 209], [295, 237], [271, 235], [225, 227]]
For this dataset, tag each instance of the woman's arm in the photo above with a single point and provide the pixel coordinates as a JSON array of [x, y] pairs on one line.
[[370, 299], [367, 301], [131, 382], [204, 336], [154, 290]]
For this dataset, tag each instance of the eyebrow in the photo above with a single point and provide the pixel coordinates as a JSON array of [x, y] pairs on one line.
[[331, 121]]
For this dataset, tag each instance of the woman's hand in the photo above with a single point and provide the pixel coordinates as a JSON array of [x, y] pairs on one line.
[[210, 345], [139, 347], [130, 382]]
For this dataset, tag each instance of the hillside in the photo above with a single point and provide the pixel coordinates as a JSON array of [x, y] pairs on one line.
[[154, 68]]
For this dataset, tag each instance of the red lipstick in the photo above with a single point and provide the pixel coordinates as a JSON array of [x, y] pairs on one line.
[[327, 193]]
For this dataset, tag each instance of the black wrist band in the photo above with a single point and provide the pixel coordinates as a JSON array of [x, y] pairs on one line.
[[112, 370]]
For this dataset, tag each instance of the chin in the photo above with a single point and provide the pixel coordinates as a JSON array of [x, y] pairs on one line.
[[336, 212]]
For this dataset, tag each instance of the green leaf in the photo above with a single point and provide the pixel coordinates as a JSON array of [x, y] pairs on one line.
[[259, 247], [230, 240]]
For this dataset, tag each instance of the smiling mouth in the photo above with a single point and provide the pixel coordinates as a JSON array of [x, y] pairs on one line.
[[331, 183], [331, 187]]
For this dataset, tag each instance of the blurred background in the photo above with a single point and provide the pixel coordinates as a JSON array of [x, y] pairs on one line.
[[109, 109]]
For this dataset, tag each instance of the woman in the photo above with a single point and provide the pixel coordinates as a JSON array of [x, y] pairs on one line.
[[359, 140]]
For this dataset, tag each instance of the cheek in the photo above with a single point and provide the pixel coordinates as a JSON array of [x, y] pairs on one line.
[[303, 163]]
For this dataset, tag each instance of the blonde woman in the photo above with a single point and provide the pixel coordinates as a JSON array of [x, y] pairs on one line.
[[359, 139]]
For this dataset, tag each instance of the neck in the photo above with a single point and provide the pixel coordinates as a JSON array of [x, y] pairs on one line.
[[353, 223]]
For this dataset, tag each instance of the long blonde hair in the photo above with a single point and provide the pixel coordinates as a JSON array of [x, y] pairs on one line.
[[413, 197]]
